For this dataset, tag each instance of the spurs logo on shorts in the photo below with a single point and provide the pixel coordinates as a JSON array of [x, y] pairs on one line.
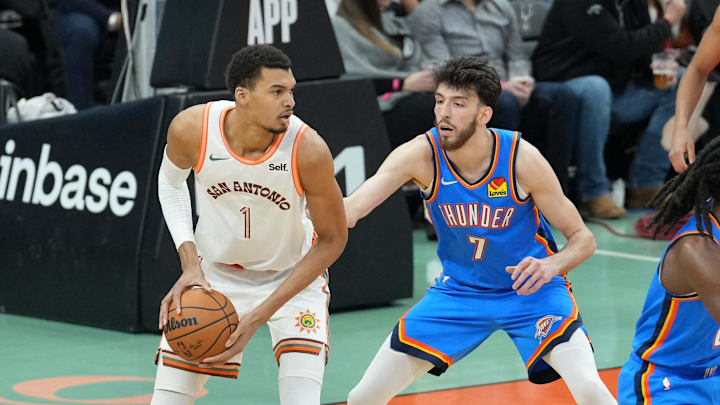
[[544, 324], [307, 322]]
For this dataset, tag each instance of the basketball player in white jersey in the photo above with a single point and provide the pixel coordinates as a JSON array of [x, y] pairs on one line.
[[257, 168]]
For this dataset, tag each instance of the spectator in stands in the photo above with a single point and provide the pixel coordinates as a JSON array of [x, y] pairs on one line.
[[79, 26], [31, 19], [612, 43], [15, 60], [544, 111], [375, 43]]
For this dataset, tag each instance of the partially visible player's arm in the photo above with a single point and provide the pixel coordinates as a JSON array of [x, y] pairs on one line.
[[691, 266], [537, 178], [324, 202], [409, 161], [183, 146], [689, 91]]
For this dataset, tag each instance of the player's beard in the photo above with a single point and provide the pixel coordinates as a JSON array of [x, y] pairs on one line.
[[277, 131], [462, 135], [281, 129]]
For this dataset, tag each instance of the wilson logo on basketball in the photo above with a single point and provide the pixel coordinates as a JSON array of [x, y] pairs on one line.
[[174, 323], [497, 188], [544, 325]]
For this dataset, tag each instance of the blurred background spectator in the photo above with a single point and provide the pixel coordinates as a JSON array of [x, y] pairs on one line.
[[376, 43], [79, 26], [64, 40], [611, 42], [32, 20], [544, 111]]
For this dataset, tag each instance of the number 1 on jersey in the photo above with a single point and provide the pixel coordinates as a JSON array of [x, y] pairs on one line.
[[246, 212], [479, 246]]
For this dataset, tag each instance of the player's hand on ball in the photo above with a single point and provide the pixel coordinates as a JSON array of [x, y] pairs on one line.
[[192, 276], [531, 274], [237, 341]]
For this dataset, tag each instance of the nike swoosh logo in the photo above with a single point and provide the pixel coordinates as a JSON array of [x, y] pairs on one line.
[[447, 183], [217, 158]]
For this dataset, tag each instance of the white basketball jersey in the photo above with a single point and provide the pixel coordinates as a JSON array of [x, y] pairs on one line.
[[251, 211]]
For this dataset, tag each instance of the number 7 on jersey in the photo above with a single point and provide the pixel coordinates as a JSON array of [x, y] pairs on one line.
[[479, 246]]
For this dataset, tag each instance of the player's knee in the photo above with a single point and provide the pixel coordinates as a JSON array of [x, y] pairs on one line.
[[589, 391], [179, 381], [359, 396], [166, 397], [302, 365]]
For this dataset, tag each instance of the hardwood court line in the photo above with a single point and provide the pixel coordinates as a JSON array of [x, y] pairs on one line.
[[632, 256]]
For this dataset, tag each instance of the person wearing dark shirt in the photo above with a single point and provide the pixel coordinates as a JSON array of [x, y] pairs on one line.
[[544, 111], [612, 42]]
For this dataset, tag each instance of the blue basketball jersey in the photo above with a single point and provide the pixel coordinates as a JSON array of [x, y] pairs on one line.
[[483, 227], [677, 331]]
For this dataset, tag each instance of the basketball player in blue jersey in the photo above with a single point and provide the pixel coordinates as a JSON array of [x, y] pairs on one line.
[[676, 350], [488, 193], [257, 167]]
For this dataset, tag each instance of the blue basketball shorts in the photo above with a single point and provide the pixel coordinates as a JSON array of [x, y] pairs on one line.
[[450, 321], [643, 382]]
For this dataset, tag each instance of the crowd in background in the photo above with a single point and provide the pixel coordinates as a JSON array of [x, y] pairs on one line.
[[577, 75], [65, 47], [573, 73]]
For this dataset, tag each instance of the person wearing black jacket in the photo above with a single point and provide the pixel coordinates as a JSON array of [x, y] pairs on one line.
[[612, 42]]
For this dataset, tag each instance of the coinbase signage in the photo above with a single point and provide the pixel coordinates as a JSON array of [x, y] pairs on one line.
[[74, 191]]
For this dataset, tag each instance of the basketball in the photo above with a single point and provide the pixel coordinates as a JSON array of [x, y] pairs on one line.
[[203, 326]]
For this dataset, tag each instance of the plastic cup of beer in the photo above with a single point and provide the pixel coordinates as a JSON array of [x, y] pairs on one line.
[[664, 69]]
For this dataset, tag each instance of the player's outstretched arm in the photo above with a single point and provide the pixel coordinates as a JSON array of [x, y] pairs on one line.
[[184, 137], [409, 161], [689, 91], [324, 202], [537, 178], [690, 266]]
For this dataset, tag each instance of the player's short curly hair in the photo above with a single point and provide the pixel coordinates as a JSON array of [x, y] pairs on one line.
[[245, 65], [470, 72]]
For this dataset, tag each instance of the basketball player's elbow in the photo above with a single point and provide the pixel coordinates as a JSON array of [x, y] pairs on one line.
[[585, 241], [590, 244], [333, 242]]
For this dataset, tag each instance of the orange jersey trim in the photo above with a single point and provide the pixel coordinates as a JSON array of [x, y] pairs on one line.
[[436, 161], [667, 324], [418, 344], [513, 151], [432, 221], [294, 160], [268, 153], [647, 397], [182, 366], [717, 225], [563, 327], [539, 238], [203, 139], [692, 298], [326, 276], [489, 173]]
